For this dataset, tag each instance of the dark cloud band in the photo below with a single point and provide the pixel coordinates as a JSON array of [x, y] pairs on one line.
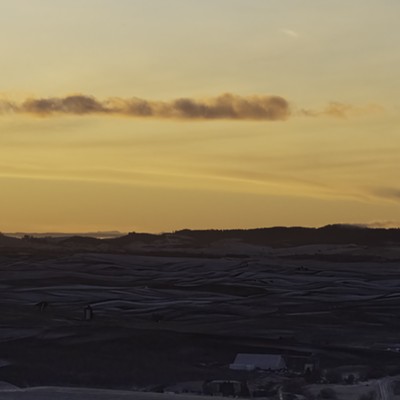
[[226, 106]]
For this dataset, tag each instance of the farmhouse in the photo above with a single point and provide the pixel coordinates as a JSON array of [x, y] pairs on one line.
[[249, 362]]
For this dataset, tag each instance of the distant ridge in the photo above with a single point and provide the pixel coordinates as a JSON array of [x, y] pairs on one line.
[[203, 242], [298, 236], [97, 234]]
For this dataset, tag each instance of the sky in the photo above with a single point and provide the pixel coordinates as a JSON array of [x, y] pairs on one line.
[[159, 115]]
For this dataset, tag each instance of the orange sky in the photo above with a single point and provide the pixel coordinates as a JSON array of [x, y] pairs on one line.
[[115, 116]]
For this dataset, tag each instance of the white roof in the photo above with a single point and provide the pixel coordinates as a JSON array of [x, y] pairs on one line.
[[262, 361]]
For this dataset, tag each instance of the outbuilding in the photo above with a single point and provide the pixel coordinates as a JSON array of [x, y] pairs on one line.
[[249, 362]]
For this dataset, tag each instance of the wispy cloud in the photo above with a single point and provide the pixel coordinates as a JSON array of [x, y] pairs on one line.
[[342, 110], [389, 193], [290, 33], [382, 224], [225, 106]]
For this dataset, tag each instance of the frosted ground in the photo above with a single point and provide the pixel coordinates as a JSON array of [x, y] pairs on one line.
[[163, 320], [61, 393]]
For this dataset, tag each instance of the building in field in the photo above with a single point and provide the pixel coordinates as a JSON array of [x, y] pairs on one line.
[[250, 362]]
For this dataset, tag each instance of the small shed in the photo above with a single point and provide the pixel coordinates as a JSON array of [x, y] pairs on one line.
[[249, 362]]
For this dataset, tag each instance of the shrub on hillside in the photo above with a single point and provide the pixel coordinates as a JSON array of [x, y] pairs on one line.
[[371, 395], [327, 393], [333, 376]]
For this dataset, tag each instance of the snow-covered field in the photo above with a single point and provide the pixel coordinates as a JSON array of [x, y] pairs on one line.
[[65, 393], [186, 292], [175, 307]]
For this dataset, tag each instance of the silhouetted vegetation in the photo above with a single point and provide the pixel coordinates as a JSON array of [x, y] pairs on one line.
[[327, 393]]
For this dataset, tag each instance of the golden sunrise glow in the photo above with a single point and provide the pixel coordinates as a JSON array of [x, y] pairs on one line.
[[160, 115]]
